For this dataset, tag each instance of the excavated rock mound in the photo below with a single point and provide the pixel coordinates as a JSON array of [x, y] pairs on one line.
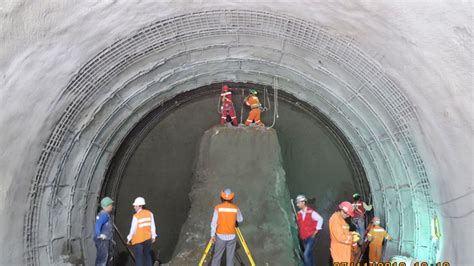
[[248, 161]]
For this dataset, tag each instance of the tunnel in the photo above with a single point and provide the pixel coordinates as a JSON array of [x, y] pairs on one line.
[[318, 161], [130, 87]]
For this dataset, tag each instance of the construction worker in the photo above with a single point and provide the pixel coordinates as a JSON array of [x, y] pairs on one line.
[[360, 207], [309, 224], [255, 106], [142, 233], [224, 220], [376, 237], [341, 238], [227, 107], [103, 231]]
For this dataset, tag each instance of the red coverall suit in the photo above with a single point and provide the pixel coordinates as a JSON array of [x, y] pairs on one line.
[[227, 108]]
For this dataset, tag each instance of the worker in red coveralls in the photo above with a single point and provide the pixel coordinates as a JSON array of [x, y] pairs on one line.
[[227, 107]]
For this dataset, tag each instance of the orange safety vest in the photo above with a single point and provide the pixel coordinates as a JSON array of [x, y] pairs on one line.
[[143, 230], [253, 102], [226, 218]]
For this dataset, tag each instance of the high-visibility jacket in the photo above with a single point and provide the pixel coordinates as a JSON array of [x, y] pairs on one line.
[[143, 230], [341, 238], [226, 218], [226, 97], [376, 236], [306, 227], [359, 209], [253, 102]]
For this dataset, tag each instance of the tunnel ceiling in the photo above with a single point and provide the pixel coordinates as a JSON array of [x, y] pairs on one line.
[[116, 88]]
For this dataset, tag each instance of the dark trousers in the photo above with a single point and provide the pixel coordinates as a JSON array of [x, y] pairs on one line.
[[102, 247], [142, 252], [308, 251]]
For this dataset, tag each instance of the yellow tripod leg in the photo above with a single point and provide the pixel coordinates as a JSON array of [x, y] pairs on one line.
[[206, 251], [244, 244]]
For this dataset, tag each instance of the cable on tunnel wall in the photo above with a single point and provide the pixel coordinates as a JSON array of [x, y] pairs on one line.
[[275, 102]]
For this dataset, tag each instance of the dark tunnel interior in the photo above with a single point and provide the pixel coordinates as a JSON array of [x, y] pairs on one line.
[[156, 160]]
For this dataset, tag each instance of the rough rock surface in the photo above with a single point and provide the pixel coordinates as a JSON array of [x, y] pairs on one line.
[[248, 161]]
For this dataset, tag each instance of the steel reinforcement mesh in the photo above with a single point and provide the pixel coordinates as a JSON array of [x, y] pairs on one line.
[[192, 26]]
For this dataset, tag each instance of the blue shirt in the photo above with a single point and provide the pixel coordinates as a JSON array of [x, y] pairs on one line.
[[102, 219]]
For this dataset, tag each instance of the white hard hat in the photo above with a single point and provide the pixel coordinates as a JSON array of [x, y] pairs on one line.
[[139, 201], [301, 198]]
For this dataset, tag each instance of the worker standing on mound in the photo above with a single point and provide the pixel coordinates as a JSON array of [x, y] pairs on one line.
[[103, 231], [341, 238], [376, 236], [227, 107], [256, 108], [224, 220]]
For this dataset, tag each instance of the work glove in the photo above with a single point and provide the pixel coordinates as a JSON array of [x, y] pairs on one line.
[[102, 237], [355, 237]]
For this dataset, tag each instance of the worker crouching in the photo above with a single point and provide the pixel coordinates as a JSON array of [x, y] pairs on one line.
[[223, 231]]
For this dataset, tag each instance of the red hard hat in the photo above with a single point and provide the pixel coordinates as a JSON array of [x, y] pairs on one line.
[[346, 206], [227, 194], [225, 88]]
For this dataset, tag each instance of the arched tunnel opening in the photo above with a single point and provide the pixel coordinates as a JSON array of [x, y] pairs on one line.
[[125, 119], [156, 161]]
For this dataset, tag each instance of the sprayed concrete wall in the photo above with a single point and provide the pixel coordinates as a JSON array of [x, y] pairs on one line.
[[394, 76]]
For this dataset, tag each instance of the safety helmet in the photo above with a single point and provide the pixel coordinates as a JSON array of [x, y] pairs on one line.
[[227, 194], [301, 198], [106, 201], [376, 220], [252, 91], [346, 206], [139, 201], [225, 88], [356, 196]]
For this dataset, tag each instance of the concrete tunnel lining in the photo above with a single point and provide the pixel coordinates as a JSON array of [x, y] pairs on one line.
[[169, 133], [410, 162]]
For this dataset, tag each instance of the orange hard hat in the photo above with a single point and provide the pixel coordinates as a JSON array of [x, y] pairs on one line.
[[347, 207], [225, 88], [227, 194]]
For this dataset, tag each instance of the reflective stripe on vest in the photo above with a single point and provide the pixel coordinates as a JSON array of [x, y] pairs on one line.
[[253, 102], [359, 209], [226, 218], [143, 230], [307, 227]]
